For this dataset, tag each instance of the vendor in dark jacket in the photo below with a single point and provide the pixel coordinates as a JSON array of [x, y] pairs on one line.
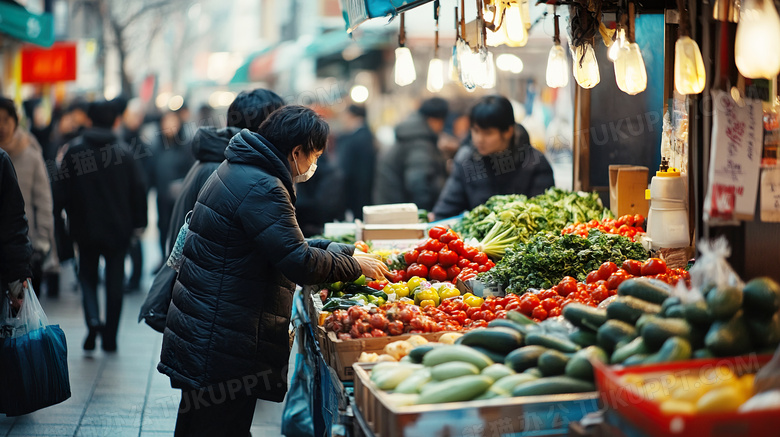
[[499, 159], [247, 111], [15, 248], [226, 340]]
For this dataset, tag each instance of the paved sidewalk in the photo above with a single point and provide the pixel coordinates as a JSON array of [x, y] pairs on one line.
[[119, 394]]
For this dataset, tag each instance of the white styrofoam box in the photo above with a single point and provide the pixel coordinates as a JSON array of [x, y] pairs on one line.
[[394, 214]]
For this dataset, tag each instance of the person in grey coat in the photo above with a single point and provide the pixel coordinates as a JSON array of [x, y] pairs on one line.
[[413, 170]]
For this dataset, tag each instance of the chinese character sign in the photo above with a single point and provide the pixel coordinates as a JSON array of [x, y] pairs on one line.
[[770, 194], [735, 159]]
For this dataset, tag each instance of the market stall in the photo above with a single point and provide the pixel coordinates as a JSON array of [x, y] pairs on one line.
[[558, 314]]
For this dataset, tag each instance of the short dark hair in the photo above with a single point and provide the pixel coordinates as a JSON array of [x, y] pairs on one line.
[[357, 111], [103, 114], [295, 125], [435, 108], [9, 107], [493, 111], [250, 109], [78, 105]]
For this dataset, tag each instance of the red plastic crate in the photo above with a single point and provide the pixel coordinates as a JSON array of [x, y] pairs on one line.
[[646, 414]]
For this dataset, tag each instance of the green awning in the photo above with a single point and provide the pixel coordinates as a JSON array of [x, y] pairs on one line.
[[242, 74], [356, 12], [336, 41], [17, 22]]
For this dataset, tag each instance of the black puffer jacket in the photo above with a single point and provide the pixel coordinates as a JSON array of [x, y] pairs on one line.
[[521, 169], [15, 248], [228, 321], [208, 147]]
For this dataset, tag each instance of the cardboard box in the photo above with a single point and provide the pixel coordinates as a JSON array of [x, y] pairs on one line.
[[367, 232], [627, 185], [394, 214]]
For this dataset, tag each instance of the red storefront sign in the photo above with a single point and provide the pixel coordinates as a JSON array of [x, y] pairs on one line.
[[56, 64]]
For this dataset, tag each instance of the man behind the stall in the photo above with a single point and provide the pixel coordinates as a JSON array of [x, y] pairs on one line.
[[498, 159]]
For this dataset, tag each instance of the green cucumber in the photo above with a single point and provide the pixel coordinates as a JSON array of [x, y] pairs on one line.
[[495, 356], [675, 312], [580, 365], [506, 323], [464, 388], [445, 354], [585, 316], [635, 346], [583, 338], [445, 371], [724, 302], [635, 360], [533, 371], [553, 385], [729, 338], [498, 339], [417, 354], [761, 297], [702, 354], [614, 332], [673, 349], [508, 383], [551, 342], [414, 382], [518, 317], [553, 362], [697, 313], [493, 393], [643, 320], [657, 331], [497, 371], [524, 357], [668, 303], [764, 333], [629, 309], [649, 290]]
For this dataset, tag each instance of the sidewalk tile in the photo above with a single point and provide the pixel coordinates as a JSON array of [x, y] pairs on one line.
[[38, 429]]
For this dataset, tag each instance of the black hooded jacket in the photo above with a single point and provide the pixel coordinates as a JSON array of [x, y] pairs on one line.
[[102, 189], [15, 248], [229, 317], [521, 169]]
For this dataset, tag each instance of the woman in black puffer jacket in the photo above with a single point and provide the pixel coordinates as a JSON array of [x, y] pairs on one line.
[[226, 339]]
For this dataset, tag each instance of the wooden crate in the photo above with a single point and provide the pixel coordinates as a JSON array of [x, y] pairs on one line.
[[342, 354], [520, 416]]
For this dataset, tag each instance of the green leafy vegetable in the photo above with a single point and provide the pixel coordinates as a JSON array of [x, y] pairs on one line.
[[546, 258]]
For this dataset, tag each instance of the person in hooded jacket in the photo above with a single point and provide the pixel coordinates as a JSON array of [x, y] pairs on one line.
[[226, 340], [101, 189], [498, 159], [413, 170], [15, 248], [247, 111], [27, 158]]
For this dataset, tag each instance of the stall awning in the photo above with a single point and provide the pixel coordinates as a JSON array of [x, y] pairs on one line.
[[257, 65], [356, 12], [17, 22], [334, 42]]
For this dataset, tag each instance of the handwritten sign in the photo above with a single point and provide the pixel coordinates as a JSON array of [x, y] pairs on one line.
[[770, 194], [735, 159]]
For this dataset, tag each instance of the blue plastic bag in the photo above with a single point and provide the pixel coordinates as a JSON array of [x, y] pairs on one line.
[[33, 360]]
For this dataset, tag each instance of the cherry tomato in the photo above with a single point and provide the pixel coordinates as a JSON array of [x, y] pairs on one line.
[[453, 272], [434, 245], [527, 304], [512, 306], [615, 280], [555, 312], [482, 268], [428, 258], [463, 263], [447, 257], [449, 236], [539, 313], [633, 267], [599, 294], [639, 220], [592, 277], [480, 258], [566, 288], [546, 294], [470, 252], [437, 231], [653, 266], [548, 304], [437, 273], [607, 269], [417, 270], [628, 220], [457, 246], [411, 256], [473, 266], [490, 264]]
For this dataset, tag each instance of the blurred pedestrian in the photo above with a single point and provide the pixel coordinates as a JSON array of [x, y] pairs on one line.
[[101, 188], [322, 198], [172, 157], [228, 322], [247, 111], [15, 247], [357, 159], [27, 158], [499, 159], [413, 169], [133, 117]]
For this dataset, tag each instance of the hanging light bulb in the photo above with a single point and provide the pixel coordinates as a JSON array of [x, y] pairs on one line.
[[586, 68], [488, 72], [689, 74], [435, 75], [557, 65], [617, 44], [514, 25], [758, 33], [630, 71], [405, 73]]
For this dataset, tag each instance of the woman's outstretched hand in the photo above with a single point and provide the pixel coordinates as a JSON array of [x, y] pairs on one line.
[[372, 267]]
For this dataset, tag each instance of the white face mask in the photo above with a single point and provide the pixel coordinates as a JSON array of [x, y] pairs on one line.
[[303, 177]]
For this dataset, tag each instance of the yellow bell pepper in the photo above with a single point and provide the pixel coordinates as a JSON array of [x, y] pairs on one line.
[[426, 302], [426, 294], [474, 301], [414, 282], [401, 290], [447, 292]]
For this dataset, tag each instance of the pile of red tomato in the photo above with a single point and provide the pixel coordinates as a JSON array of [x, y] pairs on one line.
[[627, 226], [442, 257], [599, 285]]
